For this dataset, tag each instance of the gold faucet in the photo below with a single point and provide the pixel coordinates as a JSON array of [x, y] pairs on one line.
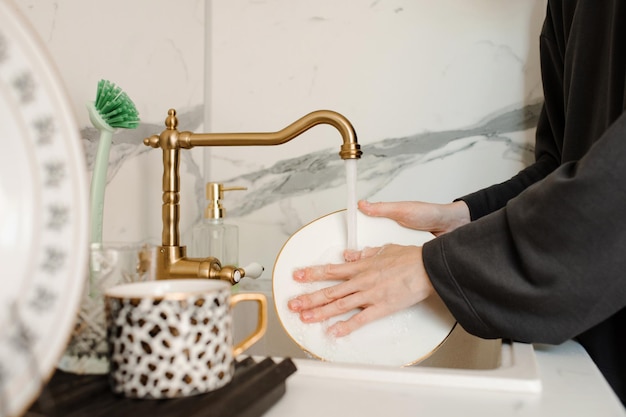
[[172, 260]]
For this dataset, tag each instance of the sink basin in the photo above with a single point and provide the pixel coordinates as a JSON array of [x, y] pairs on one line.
[[462, 360]]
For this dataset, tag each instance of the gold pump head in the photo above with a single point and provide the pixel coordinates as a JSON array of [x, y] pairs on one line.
[[214, 196]]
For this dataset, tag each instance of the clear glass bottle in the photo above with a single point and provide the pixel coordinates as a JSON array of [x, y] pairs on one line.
[[213, 237]]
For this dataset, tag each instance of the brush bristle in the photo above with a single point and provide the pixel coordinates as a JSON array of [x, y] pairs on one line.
[[115, 107]]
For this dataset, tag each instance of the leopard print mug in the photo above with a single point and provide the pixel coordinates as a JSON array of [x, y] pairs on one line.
[[174, 338]]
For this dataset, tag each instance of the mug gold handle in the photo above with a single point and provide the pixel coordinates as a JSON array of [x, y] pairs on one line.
[[261, 326]]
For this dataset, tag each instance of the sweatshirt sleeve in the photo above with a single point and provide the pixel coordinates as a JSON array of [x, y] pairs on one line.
[[548, 265]]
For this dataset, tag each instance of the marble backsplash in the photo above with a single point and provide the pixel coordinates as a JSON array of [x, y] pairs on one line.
[[444, 97]]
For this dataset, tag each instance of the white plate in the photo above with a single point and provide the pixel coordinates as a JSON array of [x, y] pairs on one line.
[[401, 339], [43, 214]]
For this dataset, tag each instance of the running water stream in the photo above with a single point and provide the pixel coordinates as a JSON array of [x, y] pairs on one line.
[[351, 204]]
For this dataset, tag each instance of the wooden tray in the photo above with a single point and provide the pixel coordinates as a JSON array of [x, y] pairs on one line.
[[256, 386]]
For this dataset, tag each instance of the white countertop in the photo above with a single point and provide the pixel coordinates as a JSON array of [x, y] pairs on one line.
[[571, 385]]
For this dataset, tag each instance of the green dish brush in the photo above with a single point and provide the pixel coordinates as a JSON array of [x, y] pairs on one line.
[[112, 110]]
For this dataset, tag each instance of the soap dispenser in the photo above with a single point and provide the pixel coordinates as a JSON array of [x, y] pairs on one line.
[[213, 237]]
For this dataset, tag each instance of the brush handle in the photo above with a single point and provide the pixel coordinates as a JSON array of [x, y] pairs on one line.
[[98, 185]]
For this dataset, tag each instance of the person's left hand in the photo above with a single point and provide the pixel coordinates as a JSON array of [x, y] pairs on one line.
[[380, 281]]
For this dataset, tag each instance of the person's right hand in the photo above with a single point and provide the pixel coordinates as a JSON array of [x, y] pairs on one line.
[[431, 217]]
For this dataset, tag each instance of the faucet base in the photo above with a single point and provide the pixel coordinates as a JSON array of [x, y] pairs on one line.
[[172, 263]]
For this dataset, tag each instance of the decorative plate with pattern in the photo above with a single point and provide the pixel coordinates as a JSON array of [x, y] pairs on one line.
[[43, 214]]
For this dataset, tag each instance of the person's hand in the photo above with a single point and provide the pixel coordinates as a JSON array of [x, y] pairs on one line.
[[435, 218], [379, 281]]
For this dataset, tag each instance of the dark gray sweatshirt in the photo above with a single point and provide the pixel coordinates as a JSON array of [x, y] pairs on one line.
[[544, 258]]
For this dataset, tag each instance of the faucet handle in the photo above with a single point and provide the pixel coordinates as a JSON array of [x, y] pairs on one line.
[[233, 275], [254, 270]]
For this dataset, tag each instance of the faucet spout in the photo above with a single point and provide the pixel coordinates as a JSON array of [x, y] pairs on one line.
[[350, 149], [173, 262]]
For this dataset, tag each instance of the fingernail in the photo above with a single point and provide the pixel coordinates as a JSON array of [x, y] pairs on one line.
[[351, 255], [298, 275], [306, 315], [335, 330], [295, 305]]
